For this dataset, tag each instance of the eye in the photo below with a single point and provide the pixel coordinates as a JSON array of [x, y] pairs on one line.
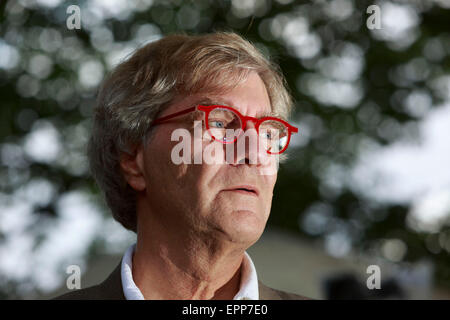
[[270, 134], [217, 124], [267, 135]]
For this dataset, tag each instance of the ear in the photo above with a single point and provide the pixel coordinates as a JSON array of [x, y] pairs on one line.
[[132, 166]]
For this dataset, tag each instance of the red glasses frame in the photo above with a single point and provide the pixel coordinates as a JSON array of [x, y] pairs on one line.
[[244, 119]]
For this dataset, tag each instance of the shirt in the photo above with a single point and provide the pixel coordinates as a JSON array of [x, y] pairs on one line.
[[248, 289]]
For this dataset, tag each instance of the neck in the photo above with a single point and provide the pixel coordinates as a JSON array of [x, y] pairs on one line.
[[185, 265]]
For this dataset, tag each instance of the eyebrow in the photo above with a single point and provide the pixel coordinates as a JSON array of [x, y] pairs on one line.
[[209, 101]]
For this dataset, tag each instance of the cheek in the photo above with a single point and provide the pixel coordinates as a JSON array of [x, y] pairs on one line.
[[161, 171], [269, 182]]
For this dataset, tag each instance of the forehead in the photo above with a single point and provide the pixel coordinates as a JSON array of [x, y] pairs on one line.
[[261, 111], [249, 97]]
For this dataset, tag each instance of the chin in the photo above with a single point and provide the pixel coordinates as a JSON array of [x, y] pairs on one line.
[[245, 226]]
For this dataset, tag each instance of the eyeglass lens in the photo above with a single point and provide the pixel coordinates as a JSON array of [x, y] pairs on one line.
[[225, 125]]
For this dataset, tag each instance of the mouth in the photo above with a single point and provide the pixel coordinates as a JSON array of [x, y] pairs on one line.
[[249, 190]]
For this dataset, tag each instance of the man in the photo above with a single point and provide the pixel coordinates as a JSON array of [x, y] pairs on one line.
[[194, 219]]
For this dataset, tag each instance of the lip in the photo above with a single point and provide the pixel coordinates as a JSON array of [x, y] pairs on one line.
[[245, 189]]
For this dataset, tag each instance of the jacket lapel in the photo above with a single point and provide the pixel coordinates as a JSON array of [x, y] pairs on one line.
[[111, 288], [266, 293]]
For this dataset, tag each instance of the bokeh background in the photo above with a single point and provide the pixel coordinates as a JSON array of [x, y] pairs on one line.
[[367, 181]]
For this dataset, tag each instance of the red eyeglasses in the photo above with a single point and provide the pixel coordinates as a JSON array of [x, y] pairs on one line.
[[225, 124]]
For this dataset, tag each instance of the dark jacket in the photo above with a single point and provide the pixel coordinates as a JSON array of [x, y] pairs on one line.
[[111, 289]]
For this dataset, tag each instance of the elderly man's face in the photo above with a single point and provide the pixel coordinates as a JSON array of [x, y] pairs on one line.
[[203, 199]]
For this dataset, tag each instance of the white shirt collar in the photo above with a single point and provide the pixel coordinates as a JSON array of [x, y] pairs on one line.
[[248, 289]]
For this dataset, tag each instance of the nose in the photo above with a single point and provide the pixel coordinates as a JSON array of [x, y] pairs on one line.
[[248, 149]]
